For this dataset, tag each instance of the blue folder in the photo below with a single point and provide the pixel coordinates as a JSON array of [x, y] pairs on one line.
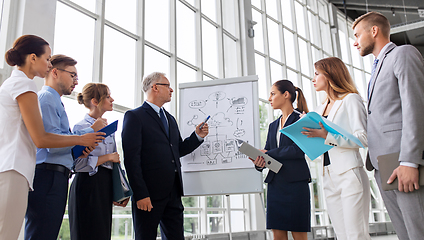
[[315, 147], [109, 129]]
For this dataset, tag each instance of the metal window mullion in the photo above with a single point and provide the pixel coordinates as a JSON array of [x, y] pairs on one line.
[[266, 54], [349, 52], [139, 48], [220, 35], [173, 49], [266, 47], [122, 30], [282, 41], [209, 20], [194, 8], [80, 9], [99, 33], [203, 215], [237, 38], [228, 34], [309, 51], [157, 48], [182, 61], [296, 43], [209, 75], [199, 40], [247, 213], [297, 58], [227, 216], [246, 43]]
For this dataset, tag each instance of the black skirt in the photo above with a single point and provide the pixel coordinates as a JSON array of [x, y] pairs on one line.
[[90, 205], [288, 205]]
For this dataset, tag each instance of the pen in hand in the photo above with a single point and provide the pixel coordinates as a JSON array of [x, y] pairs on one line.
[[204, 122]]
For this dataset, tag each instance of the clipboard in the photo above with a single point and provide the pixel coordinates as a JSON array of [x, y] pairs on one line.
[[253, 153], [389, 162], [109, 129]]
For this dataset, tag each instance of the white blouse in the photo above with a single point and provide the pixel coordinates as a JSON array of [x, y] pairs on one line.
[[17, 150]]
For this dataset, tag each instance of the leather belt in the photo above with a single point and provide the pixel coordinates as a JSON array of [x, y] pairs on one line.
[[55, 167]]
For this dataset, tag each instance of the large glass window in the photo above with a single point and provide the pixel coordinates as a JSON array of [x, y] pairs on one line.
[[276, 71], [79, 48], [290, 49], [210, 48], [157, 17], [343, 41], [231, 68], [155, 61], [286, 9], [326, 37], [314, 32], [186, 33], [293, 77], [259, 36], [122, 13], [209, 9], [261, 72], [119, 74], [271, 9], [303, 55], [229, 16], [274, 40], [300, 19]]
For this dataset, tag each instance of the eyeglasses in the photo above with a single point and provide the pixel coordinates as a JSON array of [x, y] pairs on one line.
[[74, 75], [164, 84]]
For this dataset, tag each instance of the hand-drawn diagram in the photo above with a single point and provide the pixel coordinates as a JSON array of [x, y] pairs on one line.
[[231, 118]]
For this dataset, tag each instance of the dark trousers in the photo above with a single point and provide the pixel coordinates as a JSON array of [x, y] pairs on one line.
[[167, 212], [46, 205]]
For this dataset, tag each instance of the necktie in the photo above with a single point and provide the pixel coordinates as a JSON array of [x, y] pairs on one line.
[[164, 122], [374, 66]]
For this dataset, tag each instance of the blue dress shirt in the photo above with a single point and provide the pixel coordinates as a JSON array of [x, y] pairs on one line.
[[55, 121], [107, 146]]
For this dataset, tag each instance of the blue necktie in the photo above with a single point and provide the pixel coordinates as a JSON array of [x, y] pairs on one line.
[[374, 66], [164, 122]]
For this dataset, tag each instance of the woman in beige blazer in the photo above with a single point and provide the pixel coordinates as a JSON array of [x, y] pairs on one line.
[[346, 185]]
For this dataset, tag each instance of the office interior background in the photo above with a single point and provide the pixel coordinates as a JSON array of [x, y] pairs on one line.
[[118, 42]]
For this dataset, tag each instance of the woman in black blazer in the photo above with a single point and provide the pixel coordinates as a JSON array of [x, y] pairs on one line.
[[288, 198]]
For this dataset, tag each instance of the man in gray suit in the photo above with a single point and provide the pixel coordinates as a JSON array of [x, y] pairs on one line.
[[395, 119]]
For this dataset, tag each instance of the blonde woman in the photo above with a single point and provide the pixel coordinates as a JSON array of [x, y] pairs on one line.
[[346, 185], [90, 197]]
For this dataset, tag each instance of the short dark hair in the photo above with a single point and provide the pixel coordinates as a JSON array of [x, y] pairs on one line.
[[62, 61], [374, 19], [23, 46]]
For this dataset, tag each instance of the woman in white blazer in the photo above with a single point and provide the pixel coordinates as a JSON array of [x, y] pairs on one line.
[[346, 185]]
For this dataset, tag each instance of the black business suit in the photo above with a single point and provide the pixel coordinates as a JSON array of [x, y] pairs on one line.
[[152, 161], [288, 198]]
